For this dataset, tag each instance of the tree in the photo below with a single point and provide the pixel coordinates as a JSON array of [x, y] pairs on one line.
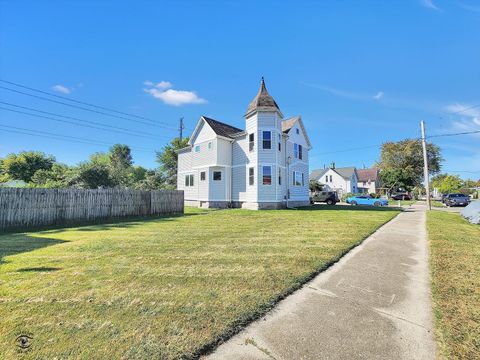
[[24, 165], [168, 160], [59, 176], [154, 180], [93, 176], [401, 163], [314, 186], [120, 163], [448, 183]]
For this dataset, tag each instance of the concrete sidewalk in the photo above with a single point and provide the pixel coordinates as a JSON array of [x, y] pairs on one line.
[[373, 304]]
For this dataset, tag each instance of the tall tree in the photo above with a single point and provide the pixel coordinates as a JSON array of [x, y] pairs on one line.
[[121, 165], [447, 183], [168, 160], [22, 166], [401, 163]]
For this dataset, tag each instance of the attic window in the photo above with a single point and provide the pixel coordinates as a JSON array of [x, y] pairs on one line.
[[197, 148], [298, 131], [210, 145]]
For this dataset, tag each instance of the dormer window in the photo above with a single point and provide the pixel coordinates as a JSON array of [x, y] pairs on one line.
[[267, 139]]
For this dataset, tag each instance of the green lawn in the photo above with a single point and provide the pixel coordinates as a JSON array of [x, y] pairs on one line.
[[163, 288], [455, 264]]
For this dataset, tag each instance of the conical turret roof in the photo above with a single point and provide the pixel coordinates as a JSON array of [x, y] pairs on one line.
[[262, 101]]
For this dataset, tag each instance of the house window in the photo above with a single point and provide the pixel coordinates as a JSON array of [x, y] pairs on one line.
[[298, 131], [267, 175], [202, 176], [197, 148], [251, 176], [279, 142], [279, 176], [330, 178], [303, 180], [251, 142], [217, 175], [326, 178], [300, 152], [267, 139], [295, 151], [297, 178], [188, 180], [210, 145]]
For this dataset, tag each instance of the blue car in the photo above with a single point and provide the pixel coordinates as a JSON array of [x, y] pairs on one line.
[[366, 200]]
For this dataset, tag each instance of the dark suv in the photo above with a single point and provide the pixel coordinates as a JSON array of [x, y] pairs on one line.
[[329, 197], [401, 196], [456, 200]]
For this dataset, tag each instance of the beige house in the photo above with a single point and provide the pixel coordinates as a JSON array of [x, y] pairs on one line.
[[368, 180]]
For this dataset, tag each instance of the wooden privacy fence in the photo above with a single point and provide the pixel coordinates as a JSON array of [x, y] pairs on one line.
[[22, 208]]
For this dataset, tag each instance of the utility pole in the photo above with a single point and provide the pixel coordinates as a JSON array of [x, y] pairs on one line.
[[181, 127], [425, 165]]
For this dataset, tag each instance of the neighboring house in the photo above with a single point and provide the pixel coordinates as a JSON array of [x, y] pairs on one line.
[[263, 166], [368, 180], [342, 180]]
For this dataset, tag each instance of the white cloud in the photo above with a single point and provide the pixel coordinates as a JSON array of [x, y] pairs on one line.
[[148, 83], [468, 117], [379, 95], [62, 89], [164, 85], [176, 97], [430, 5]]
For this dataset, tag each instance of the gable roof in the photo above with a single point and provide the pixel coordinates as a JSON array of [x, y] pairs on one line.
[[345, 172], [263, 101], [318, 173], [221, 128], [366, 175], [288, 124]]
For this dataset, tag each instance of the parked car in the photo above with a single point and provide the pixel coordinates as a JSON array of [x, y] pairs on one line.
[[457, 200], [329, 197], [401, 196], [366, 200]]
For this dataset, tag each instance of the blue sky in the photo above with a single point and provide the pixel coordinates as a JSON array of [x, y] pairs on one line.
[[359, 73]]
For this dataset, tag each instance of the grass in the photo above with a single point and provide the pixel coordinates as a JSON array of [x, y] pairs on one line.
[[455, 264], [164, 288], [436, 203]]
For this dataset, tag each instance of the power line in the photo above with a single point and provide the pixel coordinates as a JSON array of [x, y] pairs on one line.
[[86, 103], [86, 109], [455, 134], [71, 122], [111, 127], [38, 133], [463, 110]]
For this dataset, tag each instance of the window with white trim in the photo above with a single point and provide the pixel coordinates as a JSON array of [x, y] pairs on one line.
[[279, 176], [217, 175], [298, 131], [295, 151], [251, 142], [210, 145], [267, 139], [267, 175], [197, 148], [188, 180], [202, 176], [297, 178], [300, 152], [279, 142], [251, 176]]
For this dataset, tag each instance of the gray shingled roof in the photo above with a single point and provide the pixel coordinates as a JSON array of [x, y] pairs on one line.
[[317, 174], [262, 101], [345, 172], [288, 124], [222, 129], [365, 175]]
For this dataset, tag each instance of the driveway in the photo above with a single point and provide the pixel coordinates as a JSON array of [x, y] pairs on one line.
[[373, 304]]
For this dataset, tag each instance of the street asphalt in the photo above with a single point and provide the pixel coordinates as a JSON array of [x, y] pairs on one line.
[[375, 303]]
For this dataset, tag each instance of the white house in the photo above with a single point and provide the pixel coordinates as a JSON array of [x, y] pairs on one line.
[[342, 180], [264, 166]]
